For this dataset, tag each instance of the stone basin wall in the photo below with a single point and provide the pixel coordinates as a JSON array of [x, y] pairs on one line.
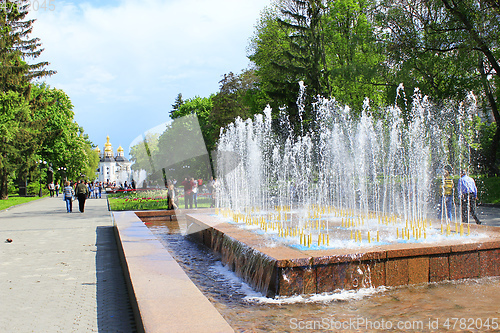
[[285, 271]]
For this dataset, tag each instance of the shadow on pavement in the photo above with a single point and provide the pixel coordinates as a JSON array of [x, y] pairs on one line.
[[114, 311]]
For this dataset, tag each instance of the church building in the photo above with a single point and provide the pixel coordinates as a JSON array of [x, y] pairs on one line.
[[113, 168]]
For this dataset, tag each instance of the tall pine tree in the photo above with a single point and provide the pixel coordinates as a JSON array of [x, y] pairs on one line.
[[19, 132]]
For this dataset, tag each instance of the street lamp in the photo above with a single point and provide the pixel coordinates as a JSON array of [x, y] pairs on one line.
[[62, 170], [41, 164]]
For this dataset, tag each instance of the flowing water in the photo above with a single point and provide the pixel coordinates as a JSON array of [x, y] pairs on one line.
[[468, 305]]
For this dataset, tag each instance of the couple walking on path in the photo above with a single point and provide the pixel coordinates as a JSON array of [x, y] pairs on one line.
[[81, 192]]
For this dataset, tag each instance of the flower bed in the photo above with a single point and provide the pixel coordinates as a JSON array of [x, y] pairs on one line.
[[150, 200]]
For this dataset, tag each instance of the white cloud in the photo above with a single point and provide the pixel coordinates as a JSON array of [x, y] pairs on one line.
[[129, 50]]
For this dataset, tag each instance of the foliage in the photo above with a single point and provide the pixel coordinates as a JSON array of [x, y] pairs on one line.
[[488, 189], [238, 97], [16, 47], [36, 122], [201, 107], [19, 135], [447, 48], [330, 46], [34, 189], [354, 54], [182, 151], [64, 143], [177, 104], [142, 153]]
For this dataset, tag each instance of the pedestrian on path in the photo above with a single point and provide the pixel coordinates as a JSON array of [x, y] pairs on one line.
[[82, 192], [68, 196], [468, 196], [51, 189]]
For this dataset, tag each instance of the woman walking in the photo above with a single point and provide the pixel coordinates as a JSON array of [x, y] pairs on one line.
[[68, 196]]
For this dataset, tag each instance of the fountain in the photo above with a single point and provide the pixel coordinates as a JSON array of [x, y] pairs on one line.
[[347, 205]]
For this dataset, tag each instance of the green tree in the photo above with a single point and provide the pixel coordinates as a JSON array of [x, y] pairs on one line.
[[448, 48], [21, 131], [16, 48], [333, 47], [267, 50], [144, 153], [53, 107], [288, 48], [19, 138], [354, 53], [201, 107], [239, 96], [177, 104]]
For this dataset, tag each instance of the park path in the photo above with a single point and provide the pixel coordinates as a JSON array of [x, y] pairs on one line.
[[61, 272]]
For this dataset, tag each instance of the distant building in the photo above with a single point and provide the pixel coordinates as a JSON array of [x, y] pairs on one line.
[[113, 168]]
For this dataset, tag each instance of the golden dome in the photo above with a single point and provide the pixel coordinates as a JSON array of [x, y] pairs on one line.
[[107, 145], [120, 149]]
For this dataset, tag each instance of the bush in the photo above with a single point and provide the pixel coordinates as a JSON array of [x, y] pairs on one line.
[[12, 188], [488, 189], [34, 189]]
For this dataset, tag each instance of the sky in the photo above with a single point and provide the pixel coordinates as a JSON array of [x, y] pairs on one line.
[[123, 62]]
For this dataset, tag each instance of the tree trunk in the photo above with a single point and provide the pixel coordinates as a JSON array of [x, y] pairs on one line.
[[492, 158], [4, 184]]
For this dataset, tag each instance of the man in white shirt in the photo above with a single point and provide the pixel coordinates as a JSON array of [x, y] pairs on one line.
[[467, 191]]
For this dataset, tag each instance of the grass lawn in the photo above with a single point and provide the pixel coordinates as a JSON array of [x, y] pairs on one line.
[[488, 189], [15, 200]]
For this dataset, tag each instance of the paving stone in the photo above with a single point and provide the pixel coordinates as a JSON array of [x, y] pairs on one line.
[[62, 272]]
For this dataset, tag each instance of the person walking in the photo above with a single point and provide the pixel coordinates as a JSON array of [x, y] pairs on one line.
[[68, 196], [467, 191], [57, 189], [82, 192], [51, 189]]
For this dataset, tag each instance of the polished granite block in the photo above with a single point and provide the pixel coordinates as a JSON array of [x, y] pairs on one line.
[[464, 265], [489, 261], [439, 268]]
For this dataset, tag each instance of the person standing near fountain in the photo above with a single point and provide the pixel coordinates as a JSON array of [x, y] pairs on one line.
[[468, 195], [446, 196], [194, 184], [188, 193]]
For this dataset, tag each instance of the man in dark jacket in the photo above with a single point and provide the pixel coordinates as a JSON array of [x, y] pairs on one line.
[[82, 192]]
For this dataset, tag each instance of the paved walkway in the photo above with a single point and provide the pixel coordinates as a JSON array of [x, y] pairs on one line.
[[489, 215], [61, 273]]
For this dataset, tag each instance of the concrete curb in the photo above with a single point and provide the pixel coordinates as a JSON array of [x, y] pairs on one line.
[[166, 300]]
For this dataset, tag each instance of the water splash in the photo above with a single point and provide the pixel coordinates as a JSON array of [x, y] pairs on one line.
[[353, 164]]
